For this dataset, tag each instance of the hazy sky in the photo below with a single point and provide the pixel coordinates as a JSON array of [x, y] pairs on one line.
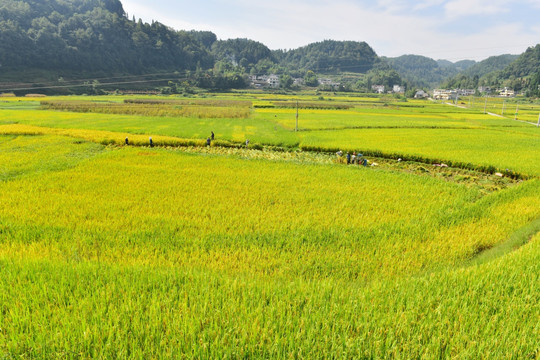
[[440, 29]]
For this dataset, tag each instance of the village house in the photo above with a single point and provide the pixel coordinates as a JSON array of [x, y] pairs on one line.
[[466, 92], [444, 94], [506, 92], [329, 82], [398, 89], [378, 88], [258, 82], [420, 94], [484, 90], [273, 81], [298, 82]]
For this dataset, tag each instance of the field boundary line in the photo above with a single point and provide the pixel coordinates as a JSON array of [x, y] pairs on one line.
[[518, 239]]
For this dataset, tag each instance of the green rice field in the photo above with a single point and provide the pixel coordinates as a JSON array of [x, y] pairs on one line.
[[271, 249]]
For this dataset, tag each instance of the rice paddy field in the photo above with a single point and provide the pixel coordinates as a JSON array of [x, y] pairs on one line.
[[274, 249]]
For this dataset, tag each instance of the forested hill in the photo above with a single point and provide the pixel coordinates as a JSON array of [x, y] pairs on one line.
[[91, 36], [424, 71], [525, 65], [331, 56], [83, 38], [520, 73], [483, 73], [491, 64], [49, 40]]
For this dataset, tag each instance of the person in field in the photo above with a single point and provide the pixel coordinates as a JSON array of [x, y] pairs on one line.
[[151, 142], [208, 142], [247, 142], [348, 158], [127, 141], [212, 135]]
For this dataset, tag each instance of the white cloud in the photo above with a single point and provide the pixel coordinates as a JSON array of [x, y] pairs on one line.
[[534, 3], [393, 6], [459, 8]]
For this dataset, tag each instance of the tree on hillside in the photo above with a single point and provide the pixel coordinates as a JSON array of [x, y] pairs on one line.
[[310, 79]]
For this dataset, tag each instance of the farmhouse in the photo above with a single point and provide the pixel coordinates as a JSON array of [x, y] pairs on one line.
[[378, 88], [420, 94], [258, 81], [466, 92], [273, 81], [398, 89], [329, 82], [484, 89], [444, 94], [506, 92], [263, 81]]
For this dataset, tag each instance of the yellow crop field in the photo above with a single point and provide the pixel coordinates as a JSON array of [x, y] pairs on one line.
[[271, 248]]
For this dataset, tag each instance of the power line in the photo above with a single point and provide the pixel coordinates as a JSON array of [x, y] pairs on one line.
[[84, 85], [65, 82]]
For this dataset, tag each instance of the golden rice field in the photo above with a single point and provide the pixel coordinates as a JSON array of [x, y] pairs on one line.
[[267, 251]]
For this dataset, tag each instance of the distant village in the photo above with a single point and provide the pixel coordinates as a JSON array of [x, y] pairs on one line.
[[444, 94], [272, 81]]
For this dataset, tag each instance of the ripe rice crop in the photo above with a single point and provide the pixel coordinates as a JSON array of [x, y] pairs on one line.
[[515, 151], [311, 105], [188, 251], [150, 109], [200, 102], [121, 253]]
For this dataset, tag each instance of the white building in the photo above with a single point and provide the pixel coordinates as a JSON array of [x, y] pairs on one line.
[[298, 81], [329, 82], [466, 92], [506, 92], [398, 89], [273, 81], [378, 88], [444, 94], [484, 89]]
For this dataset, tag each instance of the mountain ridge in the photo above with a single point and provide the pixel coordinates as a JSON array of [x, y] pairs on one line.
[[90, 38]]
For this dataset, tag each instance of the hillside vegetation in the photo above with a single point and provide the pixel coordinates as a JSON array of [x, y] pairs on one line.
[[91, 36], [46, 44]]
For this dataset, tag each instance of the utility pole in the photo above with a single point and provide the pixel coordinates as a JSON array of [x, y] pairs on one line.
[[504, 106], [485, 106], [296, 127]]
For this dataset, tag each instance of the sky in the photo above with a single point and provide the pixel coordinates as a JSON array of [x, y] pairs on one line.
[[440, 29]]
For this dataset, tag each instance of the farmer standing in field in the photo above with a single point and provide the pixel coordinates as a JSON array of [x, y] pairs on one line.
[[247, 142], [208, 142], [151, 142], [127, 141], [212, 135], [348, 158]]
